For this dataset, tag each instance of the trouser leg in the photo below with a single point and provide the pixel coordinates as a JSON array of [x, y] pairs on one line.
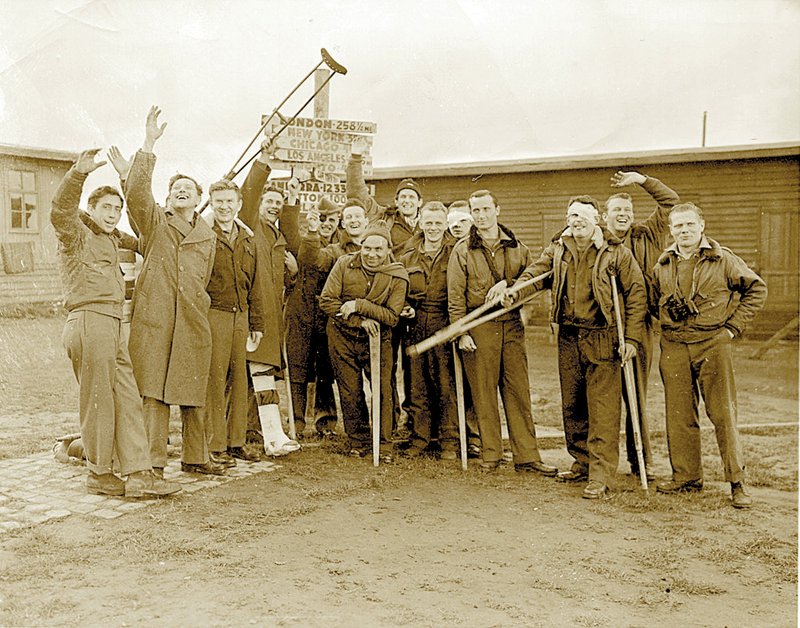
[[604, 400], [680, 400], [195, 435], [573, 396], [221, 324], [714, 366], [93, 357], [130, 444], [419, 401], [483, 372], [641, 375], [156, 422], [237, 406], [324, 401], [348, 357], [516, 393], [444, 396]]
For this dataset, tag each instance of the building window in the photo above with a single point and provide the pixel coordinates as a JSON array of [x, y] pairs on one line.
[[24, 200]]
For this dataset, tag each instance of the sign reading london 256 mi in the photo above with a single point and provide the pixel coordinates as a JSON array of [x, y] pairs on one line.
[[321, 144]]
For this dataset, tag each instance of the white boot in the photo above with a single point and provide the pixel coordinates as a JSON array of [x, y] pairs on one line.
[[276, 442]]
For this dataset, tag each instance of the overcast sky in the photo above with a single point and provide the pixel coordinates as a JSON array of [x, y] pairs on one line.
[[445, 80]]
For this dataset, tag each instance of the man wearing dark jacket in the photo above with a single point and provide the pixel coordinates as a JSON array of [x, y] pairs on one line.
[[646, 240], [705, 295], [236, 312], [315, 261], [363, 296], [306, 343], [585, 261], [432, 401], [481, 267]]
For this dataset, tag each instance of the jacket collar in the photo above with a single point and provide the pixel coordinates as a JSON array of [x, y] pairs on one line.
[[507, 237], [709, 249], [87, 220], [599, 237]]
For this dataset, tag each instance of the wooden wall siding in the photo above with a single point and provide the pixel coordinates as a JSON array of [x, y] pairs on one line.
[[750, 206], [43, 285]]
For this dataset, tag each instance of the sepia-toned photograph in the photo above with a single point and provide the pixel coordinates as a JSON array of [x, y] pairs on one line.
[[413, 313]]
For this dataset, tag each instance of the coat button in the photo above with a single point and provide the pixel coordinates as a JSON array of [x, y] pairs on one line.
[[180, 289], [180, 268], [235, 309]]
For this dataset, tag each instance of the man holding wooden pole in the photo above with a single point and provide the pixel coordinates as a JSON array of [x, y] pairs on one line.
[[582, 259], [363, 296], [481, 267]]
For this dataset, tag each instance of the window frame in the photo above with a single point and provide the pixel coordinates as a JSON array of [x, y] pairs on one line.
[[23, 194]]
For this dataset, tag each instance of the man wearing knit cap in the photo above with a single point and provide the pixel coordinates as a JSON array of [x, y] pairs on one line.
[[306, 342], [364, 295], [585, 260], [402, 218], [646, 240], [481, 267]]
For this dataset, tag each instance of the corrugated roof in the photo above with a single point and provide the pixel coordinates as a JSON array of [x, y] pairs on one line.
[[37, 153], [604, 160]]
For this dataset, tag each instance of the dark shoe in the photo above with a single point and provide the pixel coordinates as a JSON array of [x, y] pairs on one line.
[[158, 472], [299, 428], [242, 454], [146, 484], [209, 468], [386, 458], [222, 458], [576, 474], [104, 484], [412, 452], [473, 451], [739, 496], [254, 436], [489, 466], [536, 467], [690, 486], [595, 490], [357, 452], [448, 454]]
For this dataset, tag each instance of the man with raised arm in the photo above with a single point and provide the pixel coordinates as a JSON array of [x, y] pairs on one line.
[[170, 340], [646, 239], [363, 296], [315, 259], [705, 295], [112, 430], [482, 265], [274, 224], [584, 261]]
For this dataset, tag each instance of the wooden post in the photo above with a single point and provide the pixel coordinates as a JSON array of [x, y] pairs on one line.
[[322, 100]]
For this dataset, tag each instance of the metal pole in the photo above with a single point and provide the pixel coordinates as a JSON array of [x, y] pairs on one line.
[[375, 386]]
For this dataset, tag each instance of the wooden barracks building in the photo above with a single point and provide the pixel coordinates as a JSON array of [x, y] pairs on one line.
[[28, 265], [750, 196]]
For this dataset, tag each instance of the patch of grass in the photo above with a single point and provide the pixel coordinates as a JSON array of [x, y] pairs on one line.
[[18, 611], [690, 587]]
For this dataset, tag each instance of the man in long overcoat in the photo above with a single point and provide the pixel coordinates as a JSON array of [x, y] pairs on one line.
[[170, 340]]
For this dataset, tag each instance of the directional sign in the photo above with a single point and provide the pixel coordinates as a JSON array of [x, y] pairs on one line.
[[320, 168], [314, 186], [316, 157], [344, 126], [311, 144], [319, 135]]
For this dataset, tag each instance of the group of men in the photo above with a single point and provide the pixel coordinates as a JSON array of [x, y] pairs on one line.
[[208, 324]]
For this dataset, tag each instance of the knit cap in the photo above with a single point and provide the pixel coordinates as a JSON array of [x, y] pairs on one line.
[[379, 228], [327, 206], [408, 184]]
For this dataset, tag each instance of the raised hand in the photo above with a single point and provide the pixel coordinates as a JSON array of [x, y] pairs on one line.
[[152, 130], [358, 147], [621, 179], [121, 165], [313, 220], [292, 191], [86, 162]]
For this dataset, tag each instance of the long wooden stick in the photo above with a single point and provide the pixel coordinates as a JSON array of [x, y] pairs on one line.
[[375, 386], [465, 323], [462, 412], [630, 386], [289, 405]]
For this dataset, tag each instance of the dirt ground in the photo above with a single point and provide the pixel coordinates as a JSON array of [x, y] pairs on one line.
[[328, 540]]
